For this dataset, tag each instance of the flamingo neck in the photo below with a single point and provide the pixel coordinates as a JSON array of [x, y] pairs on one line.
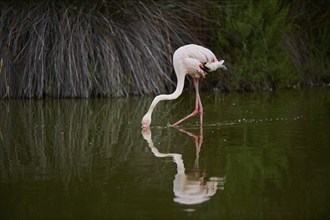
[[174, 95]]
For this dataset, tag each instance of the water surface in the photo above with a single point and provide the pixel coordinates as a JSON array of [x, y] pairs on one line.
[[258, 156]]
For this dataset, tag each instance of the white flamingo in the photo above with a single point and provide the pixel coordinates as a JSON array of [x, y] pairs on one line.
[[193, 60]]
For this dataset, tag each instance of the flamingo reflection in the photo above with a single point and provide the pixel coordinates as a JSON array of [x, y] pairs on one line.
[[189, 188]]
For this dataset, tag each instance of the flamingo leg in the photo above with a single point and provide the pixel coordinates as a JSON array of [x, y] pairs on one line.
[[198, 98], [198, 106]]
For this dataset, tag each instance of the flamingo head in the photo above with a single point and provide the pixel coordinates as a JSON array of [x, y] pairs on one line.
[[146, 121], [212, 66]]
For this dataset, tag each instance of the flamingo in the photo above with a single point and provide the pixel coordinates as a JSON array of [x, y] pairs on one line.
[[193, 60]]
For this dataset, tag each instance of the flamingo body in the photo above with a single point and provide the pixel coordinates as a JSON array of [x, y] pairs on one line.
[[193, 60]]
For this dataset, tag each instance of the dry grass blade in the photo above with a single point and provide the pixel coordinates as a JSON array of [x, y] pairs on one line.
[[104, 48]]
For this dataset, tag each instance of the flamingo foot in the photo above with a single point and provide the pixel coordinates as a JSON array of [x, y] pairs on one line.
[[195, 112]]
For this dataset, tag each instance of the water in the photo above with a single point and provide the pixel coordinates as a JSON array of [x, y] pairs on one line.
[[258, 156]]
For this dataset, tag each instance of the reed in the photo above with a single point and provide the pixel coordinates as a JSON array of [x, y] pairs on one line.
[[95, 48]]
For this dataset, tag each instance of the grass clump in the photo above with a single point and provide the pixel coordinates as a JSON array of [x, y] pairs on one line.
[[84, 49]]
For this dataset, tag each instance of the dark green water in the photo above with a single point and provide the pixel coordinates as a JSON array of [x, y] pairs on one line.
[[259, 156]]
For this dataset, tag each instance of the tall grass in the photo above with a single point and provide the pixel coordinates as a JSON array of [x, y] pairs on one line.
[[97, 48]]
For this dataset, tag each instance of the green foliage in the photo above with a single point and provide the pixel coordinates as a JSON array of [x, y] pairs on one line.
[[274, 44], [309, 42], [251, 36]]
